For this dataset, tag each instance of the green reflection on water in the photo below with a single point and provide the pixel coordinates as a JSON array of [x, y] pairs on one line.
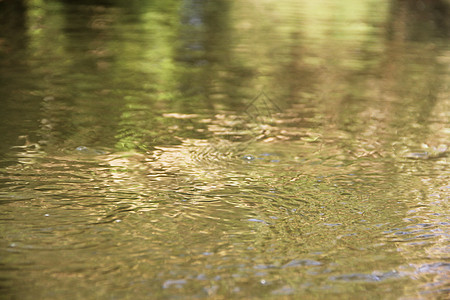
[[224, 149]]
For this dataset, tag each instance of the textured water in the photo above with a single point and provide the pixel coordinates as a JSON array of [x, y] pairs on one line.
[[224, 149]]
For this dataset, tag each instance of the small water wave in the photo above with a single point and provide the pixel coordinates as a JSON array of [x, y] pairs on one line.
[[373, 277], [83, 150]]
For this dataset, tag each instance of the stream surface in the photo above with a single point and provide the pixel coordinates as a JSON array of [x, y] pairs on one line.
[[190, 149]]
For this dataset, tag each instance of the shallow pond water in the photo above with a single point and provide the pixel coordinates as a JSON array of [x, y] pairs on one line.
[[224, 149]]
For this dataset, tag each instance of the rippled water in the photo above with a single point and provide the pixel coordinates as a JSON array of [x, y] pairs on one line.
[[224, 149]]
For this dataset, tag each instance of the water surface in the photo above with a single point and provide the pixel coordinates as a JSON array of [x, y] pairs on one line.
[[224, 149]]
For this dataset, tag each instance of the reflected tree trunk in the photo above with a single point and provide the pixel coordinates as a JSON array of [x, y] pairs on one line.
[[13, 43], [411, 22], [420, 18], [12, 26]]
